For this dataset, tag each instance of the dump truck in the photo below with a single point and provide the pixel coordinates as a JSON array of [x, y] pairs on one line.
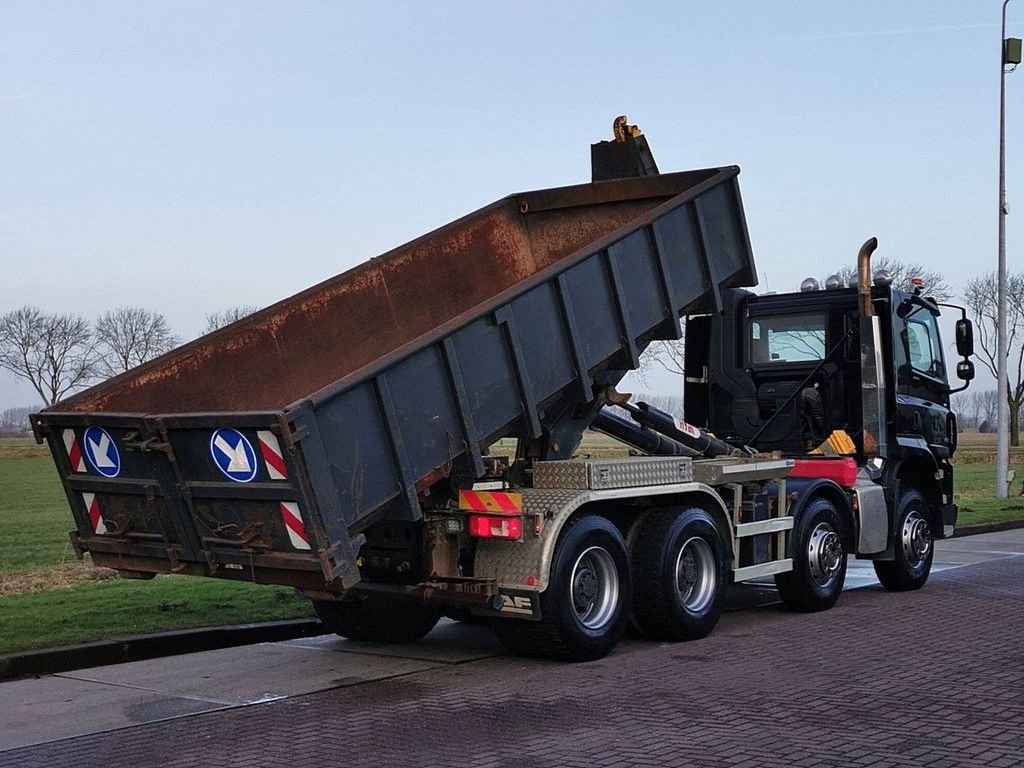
[[345, 441]]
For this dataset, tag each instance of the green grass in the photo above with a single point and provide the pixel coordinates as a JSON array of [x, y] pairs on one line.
[[34, 524], [974, 486], [34, 515], [118, 607]]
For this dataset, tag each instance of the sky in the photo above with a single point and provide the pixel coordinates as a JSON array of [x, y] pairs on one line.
[[187, 157]]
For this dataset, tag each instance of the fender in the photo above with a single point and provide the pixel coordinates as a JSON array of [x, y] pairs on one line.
[[806, 489], [524, 565]]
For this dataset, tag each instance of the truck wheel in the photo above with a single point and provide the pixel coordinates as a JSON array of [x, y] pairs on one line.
[[679, 575], [585, 608], [913, 548], [376, 617], [819, 561]]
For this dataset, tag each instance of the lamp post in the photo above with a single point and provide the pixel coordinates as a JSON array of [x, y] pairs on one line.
[[1010, 54]]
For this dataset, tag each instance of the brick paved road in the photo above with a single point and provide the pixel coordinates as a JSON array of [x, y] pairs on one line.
[[933, 678]]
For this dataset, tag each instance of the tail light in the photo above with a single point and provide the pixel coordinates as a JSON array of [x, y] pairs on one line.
[[492, 527]]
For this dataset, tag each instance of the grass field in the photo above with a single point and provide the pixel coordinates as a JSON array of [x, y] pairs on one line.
[[48, 598]]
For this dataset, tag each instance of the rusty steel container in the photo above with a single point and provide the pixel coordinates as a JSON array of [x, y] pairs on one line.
[[262, 450]]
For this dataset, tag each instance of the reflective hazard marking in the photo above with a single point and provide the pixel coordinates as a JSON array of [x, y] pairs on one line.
[[74, 452], [294, 525], [495, 502], [272, 455], [95, 517]]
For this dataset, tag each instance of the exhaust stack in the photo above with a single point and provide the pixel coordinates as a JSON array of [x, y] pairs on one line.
[[864, 276], [872, 366]]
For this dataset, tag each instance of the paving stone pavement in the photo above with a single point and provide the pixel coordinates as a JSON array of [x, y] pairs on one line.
[[931, 678]]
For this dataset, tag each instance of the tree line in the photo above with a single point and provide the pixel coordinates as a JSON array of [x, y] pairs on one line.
[[61, 353]]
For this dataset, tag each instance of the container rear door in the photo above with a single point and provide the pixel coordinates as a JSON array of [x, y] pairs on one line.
[[206, 495]]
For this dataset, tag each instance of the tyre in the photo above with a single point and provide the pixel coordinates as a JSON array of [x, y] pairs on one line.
[[585, 608], [913, 549], [679, 575], [377, 617], [819, 560]]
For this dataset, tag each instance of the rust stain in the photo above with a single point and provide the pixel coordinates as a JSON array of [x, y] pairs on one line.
[[310, 340]]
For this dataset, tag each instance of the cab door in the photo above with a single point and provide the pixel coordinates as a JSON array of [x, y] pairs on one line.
[[922, 395]]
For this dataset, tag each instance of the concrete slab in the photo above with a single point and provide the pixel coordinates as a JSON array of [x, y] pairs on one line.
[[51, 708], [451, 642], [250, 674]]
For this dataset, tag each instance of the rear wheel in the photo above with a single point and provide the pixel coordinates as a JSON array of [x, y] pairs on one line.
[[377, 617], [819, 560], [585, 608], [913, 548], [679, 572]]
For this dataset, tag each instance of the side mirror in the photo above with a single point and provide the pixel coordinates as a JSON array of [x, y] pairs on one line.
[[964, 339], [965, 369]]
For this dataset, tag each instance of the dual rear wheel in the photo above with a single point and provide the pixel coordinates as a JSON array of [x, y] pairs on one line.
[[670, 584]]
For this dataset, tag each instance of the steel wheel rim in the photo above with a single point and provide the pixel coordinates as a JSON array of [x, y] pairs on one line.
[[695, 574], [917, 539], [594, 587], [824, 554]]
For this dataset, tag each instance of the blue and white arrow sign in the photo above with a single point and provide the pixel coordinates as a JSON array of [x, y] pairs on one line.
[[234, 455], [101, 451]]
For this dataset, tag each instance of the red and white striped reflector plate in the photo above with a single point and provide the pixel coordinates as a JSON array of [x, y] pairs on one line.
[[271, 450], [293, 524], [493, 502], [74, 451], [95, 516]]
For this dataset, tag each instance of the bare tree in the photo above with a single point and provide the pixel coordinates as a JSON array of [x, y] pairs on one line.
[[129, 336], [902, 272], [989, 400], [54, 353], [215, 320], [672, 404], [667, 355], [980, 299], [974, 407], [14, 421]]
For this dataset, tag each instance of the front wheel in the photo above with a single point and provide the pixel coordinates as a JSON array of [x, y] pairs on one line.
[[913, 549], [819, 560], [680, 574], [586, 606]]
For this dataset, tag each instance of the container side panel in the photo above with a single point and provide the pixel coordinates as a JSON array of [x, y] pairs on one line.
[[355, 440], [594, 306], [641, 283], [489, 376], [724, 233], [678, 240], [544, 340], [426, 410]]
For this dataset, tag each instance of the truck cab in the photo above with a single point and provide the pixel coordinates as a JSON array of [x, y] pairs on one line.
[[785, 372]]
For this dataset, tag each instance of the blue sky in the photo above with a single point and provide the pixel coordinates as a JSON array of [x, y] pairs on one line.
[[190, 156]]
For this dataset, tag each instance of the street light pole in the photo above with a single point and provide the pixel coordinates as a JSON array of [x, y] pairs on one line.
[[1002, 346]]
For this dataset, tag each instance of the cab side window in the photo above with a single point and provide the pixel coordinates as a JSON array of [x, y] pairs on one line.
[[924, 352]]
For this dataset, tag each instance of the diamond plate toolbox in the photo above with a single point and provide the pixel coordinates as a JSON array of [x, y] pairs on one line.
[[599, 474]]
